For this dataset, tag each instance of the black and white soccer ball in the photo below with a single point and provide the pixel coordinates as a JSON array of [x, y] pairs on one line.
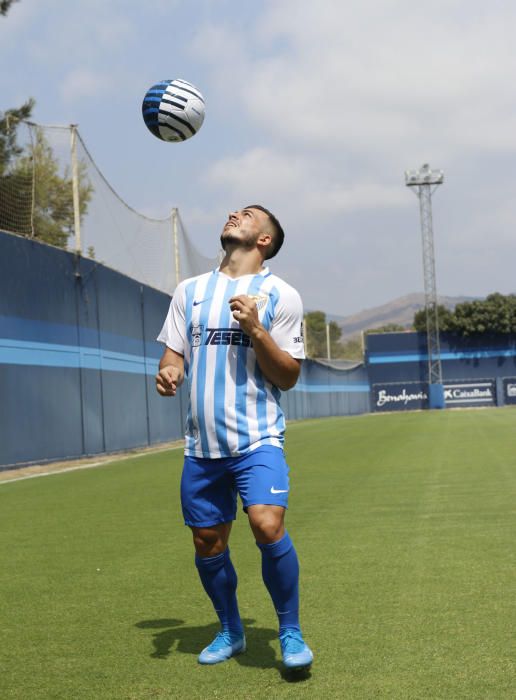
[[173, 110]]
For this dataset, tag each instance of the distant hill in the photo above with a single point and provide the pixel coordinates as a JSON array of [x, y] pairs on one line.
[[400, 311]]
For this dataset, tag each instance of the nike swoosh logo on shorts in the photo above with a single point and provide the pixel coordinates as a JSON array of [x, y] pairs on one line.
[[196, 303], [273, 490]]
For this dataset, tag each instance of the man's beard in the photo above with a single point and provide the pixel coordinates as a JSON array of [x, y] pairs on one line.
[[229, 239]]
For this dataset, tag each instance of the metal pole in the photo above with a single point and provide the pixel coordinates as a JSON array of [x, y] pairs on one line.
[[75, 189], [176, 244], [423, 180], [145, 377], [328, 349], [432, 319]]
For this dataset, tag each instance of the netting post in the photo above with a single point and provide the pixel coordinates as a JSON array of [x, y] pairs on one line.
[[176, 244], [33, 193], [305, 337], [75, 189]]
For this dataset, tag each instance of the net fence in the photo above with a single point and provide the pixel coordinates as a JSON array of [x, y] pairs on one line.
[[323, 342], [316, 345], [52, 190]]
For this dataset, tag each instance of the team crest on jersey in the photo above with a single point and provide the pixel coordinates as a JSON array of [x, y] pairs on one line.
[[197, 332], [260, 300]]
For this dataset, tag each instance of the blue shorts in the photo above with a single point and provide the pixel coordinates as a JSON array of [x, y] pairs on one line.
[[209, 487]]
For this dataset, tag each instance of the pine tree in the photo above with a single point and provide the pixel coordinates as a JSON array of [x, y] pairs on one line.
[[35, 196], [5, 5]]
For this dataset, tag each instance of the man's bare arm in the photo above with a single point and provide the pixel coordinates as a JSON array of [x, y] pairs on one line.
[[171, 373], [277, 365]]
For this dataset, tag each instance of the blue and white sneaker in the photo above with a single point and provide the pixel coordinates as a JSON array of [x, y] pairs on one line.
[[225, 645], [297, 655]]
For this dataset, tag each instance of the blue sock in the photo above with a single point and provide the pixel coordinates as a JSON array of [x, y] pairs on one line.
[[219, 579], [280, 572]]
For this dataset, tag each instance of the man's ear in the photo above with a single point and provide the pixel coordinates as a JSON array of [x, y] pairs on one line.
[[265, 239]]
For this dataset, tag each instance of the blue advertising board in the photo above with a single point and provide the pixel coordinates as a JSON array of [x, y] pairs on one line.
[[399, 396], [470, 393], [509, 390], [411, 396]]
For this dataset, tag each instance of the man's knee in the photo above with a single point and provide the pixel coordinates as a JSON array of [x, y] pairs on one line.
[[267, 523], [210, 541]]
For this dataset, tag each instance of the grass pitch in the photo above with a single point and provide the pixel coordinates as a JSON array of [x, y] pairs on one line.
[[405, 525]]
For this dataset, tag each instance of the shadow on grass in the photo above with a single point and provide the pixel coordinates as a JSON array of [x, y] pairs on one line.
[[190, 640]]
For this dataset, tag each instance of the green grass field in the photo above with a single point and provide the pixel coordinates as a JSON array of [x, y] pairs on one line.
[[405, 526]]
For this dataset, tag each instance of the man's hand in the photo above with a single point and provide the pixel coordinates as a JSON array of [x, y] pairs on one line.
[[277, 365], [245, 312], [167, 380], [171, 372]]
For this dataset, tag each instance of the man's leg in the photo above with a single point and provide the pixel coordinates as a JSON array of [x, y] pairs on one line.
[[219, 579], [208, 495], [280, 572], [280, 567], [217, 573]]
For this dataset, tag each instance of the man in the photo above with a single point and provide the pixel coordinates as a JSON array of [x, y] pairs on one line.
[[236, 335]]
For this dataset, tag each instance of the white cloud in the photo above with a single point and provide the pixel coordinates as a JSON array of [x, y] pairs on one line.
[[261, 171], [340, 99], [356, 197], [73, 35], [279, 178], [83, 84], [379, 78]]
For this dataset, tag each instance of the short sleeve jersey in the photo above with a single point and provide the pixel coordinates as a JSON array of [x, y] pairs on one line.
[[233, 408]]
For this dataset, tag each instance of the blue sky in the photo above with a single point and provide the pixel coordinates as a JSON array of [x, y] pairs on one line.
[[313, 109]]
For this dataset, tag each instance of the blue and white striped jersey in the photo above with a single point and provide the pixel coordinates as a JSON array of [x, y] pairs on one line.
[[233, 409]]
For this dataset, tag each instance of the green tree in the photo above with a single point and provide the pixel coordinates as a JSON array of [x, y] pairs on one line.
[[9, 122], [316, 339], [351, 349], [387, 328], [35, 196], [5, 5], [15, 188], [335, 345], [444, 317], [494, 314]]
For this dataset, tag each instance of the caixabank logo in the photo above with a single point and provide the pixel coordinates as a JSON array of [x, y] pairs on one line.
[[464, 393], [219, 336]]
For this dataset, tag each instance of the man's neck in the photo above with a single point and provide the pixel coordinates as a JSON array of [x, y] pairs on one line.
[[240, 262]]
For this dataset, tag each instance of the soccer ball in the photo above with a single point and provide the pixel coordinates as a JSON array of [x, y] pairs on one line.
[[173, 110]]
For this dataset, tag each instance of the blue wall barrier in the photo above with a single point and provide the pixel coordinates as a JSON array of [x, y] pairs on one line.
[[78, 357], [325, 391]]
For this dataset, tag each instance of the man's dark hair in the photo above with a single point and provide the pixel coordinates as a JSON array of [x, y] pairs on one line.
[[279, 234]]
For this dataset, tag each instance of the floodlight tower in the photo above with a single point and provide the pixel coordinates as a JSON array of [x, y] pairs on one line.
[[425, 181]]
